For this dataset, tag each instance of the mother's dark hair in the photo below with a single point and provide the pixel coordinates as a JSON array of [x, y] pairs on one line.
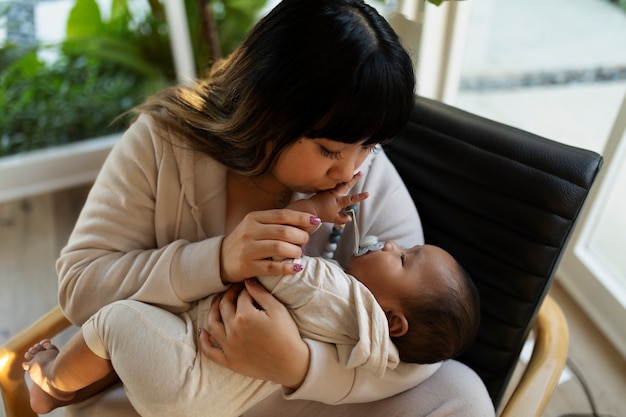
[[311, 68]]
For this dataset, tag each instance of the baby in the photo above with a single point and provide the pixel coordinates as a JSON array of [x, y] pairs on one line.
[[390, 305]]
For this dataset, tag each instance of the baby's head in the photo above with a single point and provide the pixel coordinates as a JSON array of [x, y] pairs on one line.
[[430, 301]]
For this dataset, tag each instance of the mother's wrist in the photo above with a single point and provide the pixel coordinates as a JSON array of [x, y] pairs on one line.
[[225, 277]]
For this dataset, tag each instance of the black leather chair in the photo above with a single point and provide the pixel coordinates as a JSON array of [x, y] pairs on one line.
[[504, 202]]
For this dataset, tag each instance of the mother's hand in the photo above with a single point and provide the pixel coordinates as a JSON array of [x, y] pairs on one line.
[[256, 335], [247, 251]]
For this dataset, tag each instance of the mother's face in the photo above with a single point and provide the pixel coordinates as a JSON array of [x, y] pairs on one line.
[[313, 165]]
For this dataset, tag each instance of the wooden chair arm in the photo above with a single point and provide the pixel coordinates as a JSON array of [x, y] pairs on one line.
[[541, 376], [12, 381]]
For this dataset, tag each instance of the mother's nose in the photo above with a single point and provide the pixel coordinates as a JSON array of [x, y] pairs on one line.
[[342, 171], [352, 157]]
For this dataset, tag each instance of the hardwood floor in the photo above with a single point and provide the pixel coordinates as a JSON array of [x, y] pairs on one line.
[[33, 231]]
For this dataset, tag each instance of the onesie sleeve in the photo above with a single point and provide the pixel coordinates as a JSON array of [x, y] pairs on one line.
[[328, 382]]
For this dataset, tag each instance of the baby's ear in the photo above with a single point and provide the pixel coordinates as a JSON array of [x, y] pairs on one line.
[[398, 324]]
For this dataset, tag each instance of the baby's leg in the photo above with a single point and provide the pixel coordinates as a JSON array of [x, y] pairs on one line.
[[57, 376]]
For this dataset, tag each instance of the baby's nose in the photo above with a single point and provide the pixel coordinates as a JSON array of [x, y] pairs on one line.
[[390, 245]]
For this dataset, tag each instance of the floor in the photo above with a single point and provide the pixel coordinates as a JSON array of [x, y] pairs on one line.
[[602, 368]]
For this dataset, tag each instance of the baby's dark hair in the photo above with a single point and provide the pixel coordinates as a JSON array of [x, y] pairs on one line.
[[442, 324]]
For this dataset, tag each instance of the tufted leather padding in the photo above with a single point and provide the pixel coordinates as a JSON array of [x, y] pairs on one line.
[[504, 202]]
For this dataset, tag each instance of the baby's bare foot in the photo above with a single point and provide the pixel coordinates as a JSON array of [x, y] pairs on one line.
[[43, 396], [41, 402]]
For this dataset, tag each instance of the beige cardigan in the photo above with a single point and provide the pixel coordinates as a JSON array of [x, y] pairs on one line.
[[151, 230]]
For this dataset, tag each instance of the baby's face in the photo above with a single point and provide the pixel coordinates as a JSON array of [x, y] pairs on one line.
[[393, 272]]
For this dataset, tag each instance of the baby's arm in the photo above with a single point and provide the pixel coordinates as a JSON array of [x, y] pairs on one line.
[[328, 205]]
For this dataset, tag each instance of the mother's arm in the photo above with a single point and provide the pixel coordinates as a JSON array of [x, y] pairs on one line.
[[345, 386], [121, 247]]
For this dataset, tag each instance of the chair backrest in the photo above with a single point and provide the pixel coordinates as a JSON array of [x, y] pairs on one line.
[[504, 202]]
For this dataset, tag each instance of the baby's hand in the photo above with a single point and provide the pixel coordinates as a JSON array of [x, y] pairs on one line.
[[329, 205]]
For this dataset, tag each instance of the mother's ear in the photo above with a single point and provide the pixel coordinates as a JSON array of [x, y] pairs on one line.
[[398, 324]]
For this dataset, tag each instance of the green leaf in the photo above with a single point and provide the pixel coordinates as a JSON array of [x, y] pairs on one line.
[[84, 20], [27, 66], [251, 7], [121, 16], [111, 49], [120, 10]]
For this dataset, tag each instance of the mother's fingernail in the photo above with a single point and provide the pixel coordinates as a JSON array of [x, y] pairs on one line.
[[297, 267], [315, 220]]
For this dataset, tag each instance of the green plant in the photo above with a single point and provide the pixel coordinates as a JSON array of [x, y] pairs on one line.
[[104, 67], [133, 38], [72, 99], [100, 70]]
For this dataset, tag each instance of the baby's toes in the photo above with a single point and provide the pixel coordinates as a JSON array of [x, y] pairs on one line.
[[30, 353], [36, 348]]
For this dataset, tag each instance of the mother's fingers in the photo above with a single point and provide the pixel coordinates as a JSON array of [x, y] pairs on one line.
[[270, 267], [209, 350], [215, 326], [261, 296], [242, 261], [278, 240], [227, 304], [288, 219]]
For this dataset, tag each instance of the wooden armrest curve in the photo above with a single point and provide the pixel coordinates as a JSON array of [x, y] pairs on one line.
[[545, 366], [12, 382]]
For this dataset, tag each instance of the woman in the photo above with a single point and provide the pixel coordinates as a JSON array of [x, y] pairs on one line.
[[190, 201]]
